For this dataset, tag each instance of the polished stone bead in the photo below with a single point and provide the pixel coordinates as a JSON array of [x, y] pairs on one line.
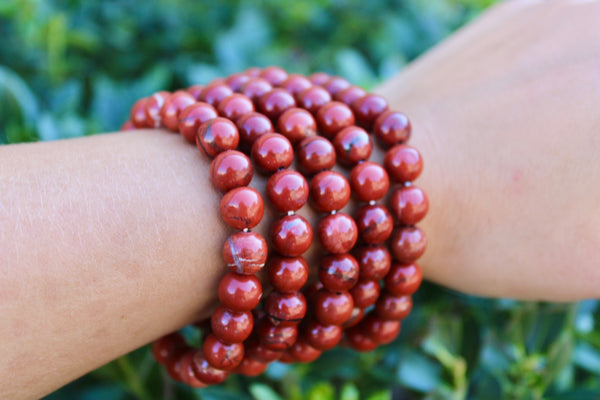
[[356, 316], [127, 126], [333, 117], [295, 83], [332, 308], [352, 145], [315, 154], [173, 363], [137, 114], [393, 307], [253, 72], [242, 208], [172, 108], [291, 235], [250, 367], [403, 279], [235, 106], [336, 84], [379, 330], [186, 371], [359, 340], [245, 252], [285, 308], [192, 117], [329, 191], [374, 261], [349, 95], [239, 292], [409, 204], [313, 98], [407, 243], [403, 163], [257, 351], [392, 127], [217, 135], [206, 372], [235, 81], [365, 293], [276, 337], [337, 233], [252, 126], [275, 103], [225, 356], [374, 222], [231, 169], [322, 337], [368, 108], [296, 124], [167, 345], [369, 181], [319, 78], [214, 93], [287, 190], [255, 88], [301, 351], [153, 106], [231, 326], [338, 272], [195, 91], [274, 75], [271, 152], [287, 274]]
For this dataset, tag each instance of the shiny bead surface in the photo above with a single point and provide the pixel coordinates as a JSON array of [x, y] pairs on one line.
[[291, 235], [285, 308], [186, 372], [250, 367], [255, 88], [380, 331], [392, 127], [332, 308], [359, 340], [319, 78], [242, 208], [287, 274], [338, 272], [338, 233], [235, 106], [322, 337], [274, 75], [231, 326], [403, 163], [173, 364], [368, 108], [195, 91], [333, 117], [192, 117], [403, 279], [287, 190], [409, 204], [153, 106], [352, 144], [393, 307], [276, 337], [275, 102], [356, 316], [301, 351], [253, 72], [350, 94], [235, 81], [365, 293], [172, 108], [271, 152], [240, 292], [222, 355], [315, 154], [407, 243], [329, 191], [165, 346], [245, 252], [374, 261], [217, 135], [231, 169], [137, 115], [257, 351], [214, 93], [296, 124], [206, 372], [252, 126], [336, 84], [295, 83], [369, 181], [127, 126], [374, 222], [313, 98]]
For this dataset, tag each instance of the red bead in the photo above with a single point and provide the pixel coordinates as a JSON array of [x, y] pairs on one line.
[[301, 351], [291, 235], [242, 208], [315, 154], [409, 205], [231, 326], [231, 169], [276, 337], [295, 83], [222, 355], [253, 72], [312, 289], [319, 78], [252, 126], [186, 371], [393, 307], [250, 367], [333, 117], [403, 279], [286, 358], [285, 308], [338, 272], [403, 163], [392, 127], [350, 94], [338, 233], [245, 252], [240, 292], [137, 115], [173, 106], [214, 93], [275, 102], [357, 316], [369, 181], [271, 152], [206, 372], [287, 274], [374, 261], [368, 108], [329, 191], [365, 293], [313, 98], [167, 345], [352, 144], [255, 88], [274, 75], [195, 91], [380, 331], [336, 84], [296, 124], [374, 222], [359, 340], [192, 117], [127, 126], [235, 106], [287, 190], [217, 135], [332, 308], [235, 81], [322, 337], [408, 243], [173, 364], [257, 351], [153, 106]]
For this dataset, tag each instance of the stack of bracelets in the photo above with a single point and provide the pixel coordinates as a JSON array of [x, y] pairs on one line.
[[321, 119]]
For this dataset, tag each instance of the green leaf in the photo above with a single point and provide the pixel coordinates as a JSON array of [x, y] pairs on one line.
[[260, 391], [321, 391], [349, 392], [380, 395]]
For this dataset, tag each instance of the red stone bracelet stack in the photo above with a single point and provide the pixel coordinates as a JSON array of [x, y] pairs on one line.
[[320, 119]]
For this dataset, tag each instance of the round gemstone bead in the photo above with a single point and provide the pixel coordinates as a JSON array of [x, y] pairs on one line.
[[310, 290], [272, 151], [380, 331], [245, 252], [276, 337], [313, 98], [392, 127], [336, 84], [287, 274], [206, 372], [285, 308], [240, 292], [350, 94], [357, 316], [368, 108], [403, 279], [374, 222], [186, 372], [287, 190], [352, 144], [153, 106], [222, 355], [173, 364], [329, 191], [252, 126], [217, 135], [408, 243], [255, 88], [231, 169], [338, 233], [250, 367], [235, 106], [192, 117], [403, 163], [275, 102], [374, 261], [291, 235], [301, 351], [319, 78], [359, 340], [214, 93], [167, 345], [242, 208], [338, 272], [332, 308], [369, 181], [274, 75], [322, 337], [257, 351], [295, 83], [393, 307], [333, 117], [409, 204], [231, 326], [315, 154], [137, 115], [365, 293], [296, 124], [173, 106], [195, 91], [127, 126], [253, 72], [235, 81]]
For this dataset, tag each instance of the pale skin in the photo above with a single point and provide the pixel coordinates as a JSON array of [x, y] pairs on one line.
[[108, 242]]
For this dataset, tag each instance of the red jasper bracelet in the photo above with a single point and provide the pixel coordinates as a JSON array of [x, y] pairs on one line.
[[258, 120]]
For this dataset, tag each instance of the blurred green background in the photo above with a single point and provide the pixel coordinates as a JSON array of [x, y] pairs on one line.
[[71, 68]]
